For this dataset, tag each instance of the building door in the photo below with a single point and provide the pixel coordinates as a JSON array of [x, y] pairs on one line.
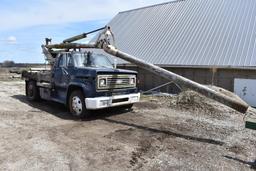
[[246, 90]]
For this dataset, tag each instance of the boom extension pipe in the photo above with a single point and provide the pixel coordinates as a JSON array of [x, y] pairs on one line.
[[70, 46], [81, 36], [204, 90]]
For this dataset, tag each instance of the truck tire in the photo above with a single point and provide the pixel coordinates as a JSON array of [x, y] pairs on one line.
[[76, 104], [32, 91]]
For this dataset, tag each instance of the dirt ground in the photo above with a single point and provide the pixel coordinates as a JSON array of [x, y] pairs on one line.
[[185, 132]]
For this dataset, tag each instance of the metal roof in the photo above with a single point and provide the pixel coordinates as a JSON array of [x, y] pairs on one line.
[[190, 33]]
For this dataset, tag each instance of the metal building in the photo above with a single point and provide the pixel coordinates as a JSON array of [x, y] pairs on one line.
[[209, 41]]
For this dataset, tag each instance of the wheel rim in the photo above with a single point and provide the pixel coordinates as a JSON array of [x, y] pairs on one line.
[[77, 105]]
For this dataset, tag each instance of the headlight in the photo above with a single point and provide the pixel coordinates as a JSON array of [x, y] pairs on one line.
[[132, 81], [103, 82]]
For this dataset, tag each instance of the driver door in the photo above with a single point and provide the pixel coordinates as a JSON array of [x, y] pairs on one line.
[[61, 76]]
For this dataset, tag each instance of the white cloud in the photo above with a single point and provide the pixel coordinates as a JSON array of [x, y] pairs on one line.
[[11, 40], [64, 11]]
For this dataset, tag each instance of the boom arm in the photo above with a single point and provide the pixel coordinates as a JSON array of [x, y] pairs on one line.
[[81, 36], [104, 43]]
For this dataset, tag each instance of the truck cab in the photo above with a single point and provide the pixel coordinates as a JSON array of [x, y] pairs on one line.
[[83, 81]]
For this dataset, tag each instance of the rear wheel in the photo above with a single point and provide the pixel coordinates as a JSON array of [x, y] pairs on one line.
[[32, 91], [77, 104]]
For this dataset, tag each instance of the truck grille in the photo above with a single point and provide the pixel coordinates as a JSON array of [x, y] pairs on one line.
[[116, 81]]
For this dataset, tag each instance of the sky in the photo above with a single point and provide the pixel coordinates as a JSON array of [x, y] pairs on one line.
[[25, 24]]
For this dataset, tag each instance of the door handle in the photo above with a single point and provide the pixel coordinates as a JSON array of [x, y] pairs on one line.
[[64, 72]]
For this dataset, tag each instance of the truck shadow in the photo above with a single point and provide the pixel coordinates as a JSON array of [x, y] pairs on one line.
[[59, 110], [166, 132]]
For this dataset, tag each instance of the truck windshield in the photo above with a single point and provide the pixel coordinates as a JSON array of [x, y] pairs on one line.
[[91, 60]]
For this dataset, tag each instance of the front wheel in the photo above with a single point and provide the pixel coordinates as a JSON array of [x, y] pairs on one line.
[[77, 104]]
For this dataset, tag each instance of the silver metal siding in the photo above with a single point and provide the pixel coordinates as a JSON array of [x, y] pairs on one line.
[[190, 32]]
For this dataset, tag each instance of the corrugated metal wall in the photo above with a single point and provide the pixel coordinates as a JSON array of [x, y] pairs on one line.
[[190, 32]]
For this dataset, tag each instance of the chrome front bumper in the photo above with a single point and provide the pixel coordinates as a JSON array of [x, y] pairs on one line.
[[117, 100]]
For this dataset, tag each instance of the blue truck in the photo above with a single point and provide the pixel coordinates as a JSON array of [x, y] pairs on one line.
[[84, 81]]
